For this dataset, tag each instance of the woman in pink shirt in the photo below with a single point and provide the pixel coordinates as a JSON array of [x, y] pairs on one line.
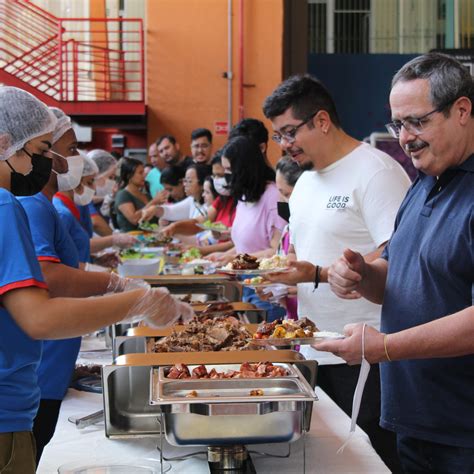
[[257, 228]]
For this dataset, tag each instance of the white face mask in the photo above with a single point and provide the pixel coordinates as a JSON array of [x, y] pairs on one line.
[[106, 188], [85, 198], [71, 179], [220, 183]]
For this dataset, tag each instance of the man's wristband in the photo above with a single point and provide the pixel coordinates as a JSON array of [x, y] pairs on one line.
[[317, 276]]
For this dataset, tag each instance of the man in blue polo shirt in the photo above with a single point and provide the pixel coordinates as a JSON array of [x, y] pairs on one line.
[[425, 278]]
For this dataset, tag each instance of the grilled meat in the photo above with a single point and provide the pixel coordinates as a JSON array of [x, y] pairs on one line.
[[247, 370], [215, 334]]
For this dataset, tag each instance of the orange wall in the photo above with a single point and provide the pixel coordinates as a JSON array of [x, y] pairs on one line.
[[187, 54]]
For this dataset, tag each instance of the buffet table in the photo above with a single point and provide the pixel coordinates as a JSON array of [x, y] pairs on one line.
[[329, 428]]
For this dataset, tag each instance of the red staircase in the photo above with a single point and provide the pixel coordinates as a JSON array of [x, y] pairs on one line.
[[84, 66]]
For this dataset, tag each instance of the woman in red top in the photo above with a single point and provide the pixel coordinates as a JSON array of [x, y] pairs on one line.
[[221, 210]]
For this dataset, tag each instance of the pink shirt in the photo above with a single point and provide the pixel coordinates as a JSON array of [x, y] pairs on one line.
[[255, 222]]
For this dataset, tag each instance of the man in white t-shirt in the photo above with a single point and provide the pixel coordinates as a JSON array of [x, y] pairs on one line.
[[347, 197]]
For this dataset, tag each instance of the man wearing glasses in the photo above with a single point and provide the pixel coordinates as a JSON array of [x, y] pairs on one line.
[[425, 278], [201, 146], [349, 196]]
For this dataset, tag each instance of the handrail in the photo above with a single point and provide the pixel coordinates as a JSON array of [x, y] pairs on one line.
[[69, 59]]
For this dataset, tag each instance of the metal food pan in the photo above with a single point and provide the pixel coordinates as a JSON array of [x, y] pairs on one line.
[[224, 412], [172, 392], [126, 386], [190, 429]]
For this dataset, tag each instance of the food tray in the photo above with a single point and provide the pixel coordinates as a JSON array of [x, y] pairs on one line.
[[281, 341], [165, 391], [255, 271], [225, 412]]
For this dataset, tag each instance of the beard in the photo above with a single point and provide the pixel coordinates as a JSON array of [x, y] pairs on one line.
[[307, 166]]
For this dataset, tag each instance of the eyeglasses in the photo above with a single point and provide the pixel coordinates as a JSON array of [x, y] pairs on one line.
[[290, 134], [413, 125], [201, 145]]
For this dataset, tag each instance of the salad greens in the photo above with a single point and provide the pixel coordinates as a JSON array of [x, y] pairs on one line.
[[149, 227], [132, 254], [217, 226], [190, 254]]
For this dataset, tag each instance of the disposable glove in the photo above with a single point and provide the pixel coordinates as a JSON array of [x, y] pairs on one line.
[[158, 309], [123, 241], [119, 284]]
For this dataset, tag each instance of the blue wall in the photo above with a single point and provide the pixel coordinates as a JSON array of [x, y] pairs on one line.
[[360, 85]]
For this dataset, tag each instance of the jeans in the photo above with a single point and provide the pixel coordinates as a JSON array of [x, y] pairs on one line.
[[273, 311], [417, 456]]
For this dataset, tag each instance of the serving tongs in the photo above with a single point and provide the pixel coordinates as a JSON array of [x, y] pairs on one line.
[[87, 420]]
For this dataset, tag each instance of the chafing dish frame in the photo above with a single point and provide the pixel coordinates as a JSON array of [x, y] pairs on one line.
[[126, 394]]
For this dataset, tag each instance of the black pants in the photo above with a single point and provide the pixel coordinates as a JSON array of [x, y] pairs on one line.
[[419, 456], [339, 382], [45, 424]]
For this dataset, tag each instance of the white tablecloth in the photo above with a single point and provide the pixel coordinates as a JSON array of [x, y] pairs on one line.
[[329, 429]]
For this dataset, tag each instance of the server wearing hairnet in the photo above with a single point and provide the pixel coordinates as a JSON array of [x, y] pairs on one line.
[[59, 262], [27, 313], [72, 206]]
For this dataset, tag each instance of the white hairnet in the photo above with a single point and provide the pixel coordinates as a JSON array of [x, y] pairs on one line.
[[22, 118], [103, 159], [90, 168], [62, 125]]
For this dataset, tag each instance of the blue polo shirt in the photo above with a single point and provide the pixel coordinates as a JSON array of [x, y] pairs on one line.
[[19, 354], [85, 213], [431, 275], [71, 219], [53, 243]]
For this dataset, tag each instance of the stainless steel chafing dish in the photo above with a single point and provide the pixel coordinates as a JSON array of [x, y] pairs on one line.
[[224, 411], [126, 385]]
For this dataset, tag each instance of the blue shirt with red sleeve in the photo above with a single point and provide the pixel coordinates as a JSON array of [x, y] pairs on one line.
[[71, 219], [86, 213], [19, 353], [53, 243]]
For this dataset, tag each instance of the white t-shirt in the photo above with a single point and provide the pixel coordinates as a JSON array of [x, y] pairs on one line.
[[352, 203], [188, 208]]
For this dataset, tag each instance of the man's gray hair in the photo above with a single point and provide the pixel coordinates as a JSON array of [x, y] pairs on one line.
[[447, 77]]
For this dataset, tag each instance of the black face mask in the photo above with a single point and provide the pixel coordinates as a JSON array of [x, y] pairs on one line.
[[283, 209], [35, 180]]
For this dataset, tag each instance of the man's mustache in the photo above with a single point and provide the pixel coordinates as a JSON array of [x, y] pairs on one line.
[[416, 145]]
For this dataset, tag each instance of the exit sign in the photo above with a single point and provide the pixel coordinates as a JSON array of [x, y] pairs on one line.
[[221, 128]]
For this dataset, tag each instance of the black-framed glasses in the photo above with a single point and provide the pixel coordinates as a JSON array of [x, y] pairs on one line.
[[290, 134], [413, 125], [202, 146]]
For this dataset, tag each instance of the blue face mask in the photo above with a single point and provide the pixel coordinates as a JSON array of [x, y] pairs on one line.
[[35, 180]]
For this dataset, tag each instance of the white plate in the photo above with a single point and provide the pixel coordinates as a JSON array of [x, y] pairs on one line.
[[154, 250], [255, 271], [198, 262], [318, 336]]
